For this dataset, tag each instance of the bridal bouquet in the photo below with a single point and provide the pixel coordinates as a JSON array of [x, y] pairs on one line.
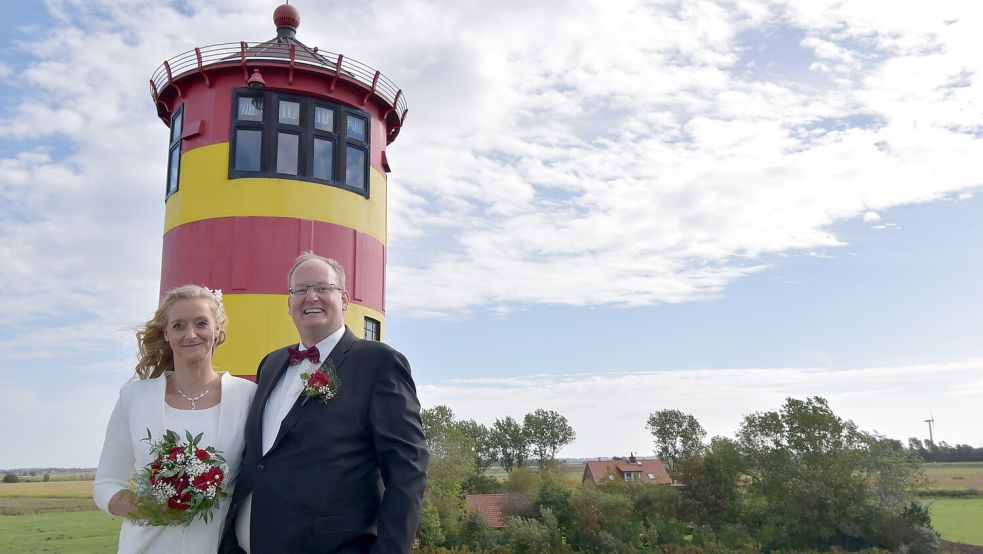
[[183, 481]]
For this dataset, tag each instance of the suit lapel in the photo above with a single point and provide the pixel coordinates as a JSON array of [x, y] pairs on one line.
[[336, 357]]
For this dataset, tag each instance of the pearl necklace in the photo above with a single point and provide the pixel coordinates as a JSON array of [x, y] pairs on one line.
[[193, 400]]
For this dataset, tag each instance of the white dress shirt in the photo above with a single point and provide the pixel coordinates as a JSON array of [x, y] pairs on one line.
[[282, 398]]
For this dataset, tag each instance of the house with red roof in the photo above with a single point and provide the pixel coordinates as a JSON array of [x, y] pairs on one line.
[[489, 506], [632, 470]]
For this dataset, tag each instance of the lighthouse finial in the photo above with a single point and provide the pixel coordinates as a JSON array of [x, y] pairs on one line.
[[287, 19]]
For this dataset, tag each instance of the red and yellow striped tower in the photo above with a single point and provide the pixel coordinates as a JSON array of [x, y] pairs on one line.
[[276, 148]]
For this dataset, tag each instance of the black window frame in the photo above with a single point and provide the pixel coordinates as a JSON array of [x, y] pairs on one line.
[[271, 128], [174, 147], [374, 326]]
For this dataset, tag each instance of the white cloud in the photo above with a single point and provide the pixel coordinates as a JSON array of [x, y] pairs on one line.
[[688, 170], [871, 216], [609, 411], [539, 163]]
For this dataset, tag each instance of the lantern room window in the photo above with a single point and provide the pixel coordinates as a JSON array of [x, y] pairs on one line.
[[174, 153], [292, 137]]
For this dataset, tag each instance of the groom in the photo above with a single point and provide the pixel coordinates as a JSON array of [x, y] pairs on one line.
[[342, 471]]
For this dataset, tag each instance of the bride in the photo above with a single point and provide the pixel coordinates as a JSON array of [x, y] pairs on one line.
[[177, 390]]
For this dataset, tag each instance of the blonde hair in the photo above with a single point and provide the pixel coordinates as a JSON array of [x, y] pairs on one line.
[[154, 353], [310, 255]]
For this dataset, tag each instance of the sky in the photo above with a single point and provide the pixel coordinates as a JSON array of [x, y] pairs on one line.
[[606, 210]]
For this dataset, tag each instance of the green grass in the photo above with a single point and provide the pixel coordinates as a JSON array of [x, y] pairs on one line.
[[958, 519], [75, 532]]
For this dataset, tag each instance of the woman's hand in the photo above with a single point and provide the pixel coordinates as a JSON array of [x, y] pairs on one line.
[[123, 504]]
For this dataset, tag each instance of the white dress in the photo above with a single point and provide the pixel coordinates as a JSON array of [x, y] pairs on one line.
[[141, 407]]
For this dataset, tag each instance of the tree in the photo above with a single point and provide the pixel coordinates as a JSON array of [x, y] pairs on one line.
[[823, 482], [548, 432], [11, 478], [677, 436], [484, 450], [450, 451], [451, 464], [511, 443], [712, 492]]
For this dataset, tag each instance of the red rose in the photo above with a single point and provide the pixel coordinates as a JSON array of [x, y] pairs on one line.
[[180, 502], [201, 454], [317, 380], [201, 482], [180, 482], [215, 475], [174, 451]]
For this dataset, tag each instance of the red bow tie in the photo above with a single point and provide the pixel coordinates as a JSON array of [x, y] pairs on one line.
[[296, 356]]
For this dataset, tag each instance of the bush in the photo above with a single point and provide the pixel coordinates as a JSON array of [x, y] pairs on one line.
[[527, 536], [554, 495], [476, 533], [11, 478], [599, 516], [429, 532], [949, 493], [911, 531]]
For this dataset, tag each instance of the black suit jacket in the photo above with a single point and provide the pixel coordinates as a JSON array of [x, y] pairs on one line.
[[346, 475]]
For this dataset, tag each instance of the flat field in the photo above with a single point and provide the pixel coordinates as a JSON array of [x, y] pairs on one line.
[[53, 489], [75, 532], [570, 470], [54, 516], [958, 519], [955, 476], [59, 476]]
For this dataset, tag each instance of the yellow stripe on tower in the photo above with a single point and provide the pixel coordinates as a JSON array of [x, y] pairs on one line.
[[259, 324], [206, 192]]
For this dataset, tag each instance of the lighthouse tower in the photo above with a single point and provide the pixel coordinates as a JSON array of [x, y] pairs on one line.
[[275, 149]]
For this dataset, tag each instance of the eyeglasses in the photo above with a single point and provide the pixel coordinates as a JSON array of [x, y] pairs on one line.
[[320, 289]]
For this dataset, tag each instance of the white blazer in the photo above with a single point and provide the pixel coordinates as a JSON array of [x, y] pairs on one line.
[[141, 407]]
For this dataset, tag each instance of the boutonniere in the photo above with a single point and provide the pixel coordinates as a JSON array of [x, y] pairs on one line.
[[321, 384]]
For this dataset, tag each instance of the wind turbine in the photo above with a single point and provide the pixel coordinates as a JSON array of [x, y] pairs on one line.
[[930, 421]]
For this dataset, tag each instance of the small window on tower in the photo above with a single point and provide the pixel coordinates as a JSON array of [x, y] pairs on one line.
[[289, 113], [249, 145], [287, 152], [323, 154], [174, 153], [372, 329], [324, 119], [250, 108]]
